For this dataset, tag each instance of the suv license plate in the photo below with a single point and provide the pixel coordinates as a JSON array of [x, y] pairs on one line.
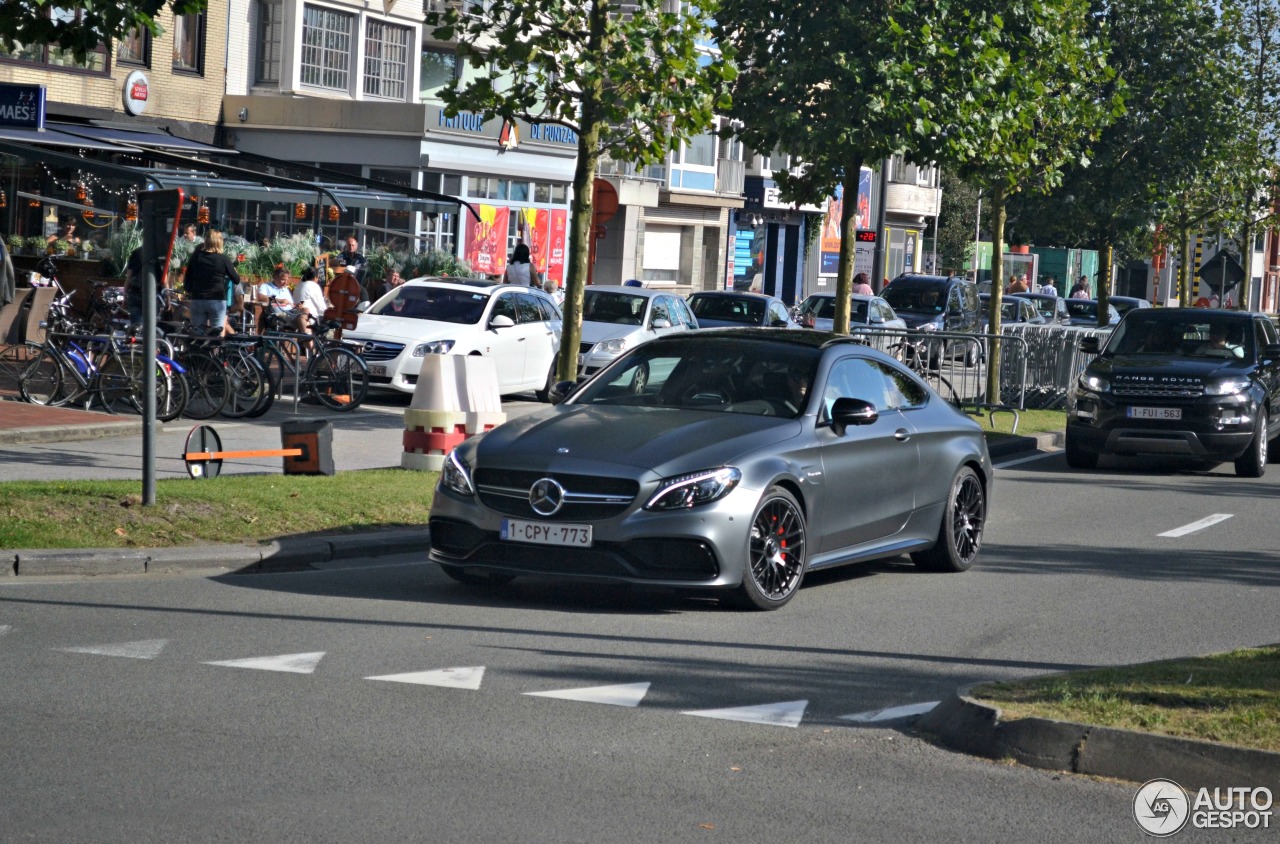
[[547, 533], [1153, 412]]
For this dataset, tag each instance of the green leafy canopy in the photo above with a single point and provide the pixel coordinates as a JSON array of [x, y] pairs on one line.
[[81, 26]]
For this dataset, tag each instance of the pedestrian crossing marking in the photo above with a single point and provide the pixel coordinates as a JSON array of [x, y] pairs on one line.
[[628, 694], [291, 663], [449, 678], [786, 714], [145, 649]]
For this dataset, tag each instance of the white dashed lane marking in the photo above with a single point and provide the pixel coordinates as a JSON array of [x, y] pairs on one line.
[[893, 713], [146, 649], [627, 694], [449, 678], [1041, 456], [291, 663], [786, 714], [1195, 526]]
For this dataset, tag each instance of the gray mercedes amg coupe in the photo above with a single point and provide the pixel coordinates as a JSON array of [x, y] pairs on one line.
[[733, 460]]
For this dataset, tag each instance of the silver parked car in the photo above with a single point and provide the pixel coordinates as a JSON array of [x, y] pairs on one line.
[[618, 318], [730, 309], [818, 310], [727, 459]]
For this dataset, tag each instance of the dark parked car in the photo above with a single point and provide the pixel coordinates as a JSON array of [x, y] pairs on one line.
[[938, 303], [1085, 312], [1180, 381], [727, 309], [1053, 308], [1014, 309], [1124, 304], [720, 460]]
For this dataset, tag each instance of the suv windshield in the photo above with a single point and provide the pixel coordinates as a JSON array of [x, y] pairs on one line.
[[1189, 337], [608, 306], [824, 307], [918, 298], [434, 303], [729, 309]]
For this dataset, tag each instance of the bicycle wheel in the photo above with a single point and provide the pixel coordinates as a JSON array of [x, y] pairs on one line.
[[40, 375], [208, 385], [118, 385], [338, 379], [13, 359], [176, 395], [278, 358], [250, 386]]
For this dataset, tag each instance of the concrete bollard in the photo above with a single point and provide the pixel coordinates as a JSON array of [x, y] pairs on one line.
[[315, 438], [456, 397]]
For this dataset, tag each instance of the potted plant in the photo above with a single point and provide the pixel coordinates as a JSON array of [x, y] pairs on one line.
[[15, 242], [36, 245], [120, 245], [61, 247]]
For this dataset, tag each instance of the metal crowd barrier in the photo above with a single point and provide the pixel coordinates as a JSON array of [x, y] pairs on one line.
[[1053, 362]]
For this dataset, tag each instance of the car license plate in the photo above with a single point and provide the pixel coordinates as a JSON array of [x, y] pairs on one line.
[[1153, 412], [547, 533], [375, 369]]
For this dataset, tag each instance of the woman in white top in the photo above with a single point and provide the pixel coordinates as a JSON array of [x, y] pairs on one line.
[[520, 270], [308, 297]]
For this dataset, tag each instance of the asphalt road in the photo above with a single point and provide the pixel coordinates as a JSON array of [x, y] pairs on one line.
[[119, 726]]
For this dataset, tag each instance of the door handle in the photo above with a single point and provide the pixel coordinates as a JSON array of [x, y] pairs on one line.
[[902, 435]]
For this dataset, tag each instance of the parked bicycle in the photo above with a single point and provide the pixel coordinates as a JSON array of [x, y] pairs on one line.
[[317, 366]]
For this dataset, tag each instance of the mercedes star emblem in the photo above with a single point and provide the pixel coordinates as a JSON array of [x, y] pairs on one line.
[[546, 497]]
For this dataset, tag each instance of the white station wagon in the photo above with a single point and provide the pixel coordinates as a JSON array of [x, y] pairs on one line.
[[517, 327]]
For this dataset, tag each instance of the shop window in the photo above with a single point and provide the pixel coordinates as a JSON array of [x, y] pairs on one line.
[[188, 42], [541, 192], [135, 47], [54, 56], [439, 231], [270, 41], [386, 60], [662, 254], [439, 70], [519, 192], [559, 194], [326, 48]]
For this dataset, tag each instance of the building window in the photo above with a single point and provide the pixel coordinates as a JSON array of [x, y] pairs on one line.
[[188, 42], [270, 40], [135, 47], [439, 231], [54, 56], [326, 48], [386, 60], [439, 70]]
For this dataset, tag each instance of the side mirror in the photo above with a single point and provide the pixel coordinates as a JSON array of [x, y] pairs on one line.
[[501, 321], [362, 307], [560, 391], [660, 323], [877, 320], [1090, 345], [849, 411], [779, 323]]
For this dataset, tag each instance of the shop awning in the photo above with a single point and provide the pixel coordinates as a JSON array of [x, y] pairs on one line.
[[53, 137], [134, 137]]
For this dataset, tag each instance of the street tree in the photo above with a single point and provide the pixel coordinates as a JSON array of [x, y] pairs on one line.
[[81, 26], [957, 221], [631, 80], [1052, 95], [843, 85]]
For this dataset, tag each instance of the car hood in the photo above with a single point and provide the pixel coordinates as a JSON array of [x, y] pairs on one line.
[[404, 329], [632, 442], [915, 320], [704, 322], [1172, 370], [598, 332]]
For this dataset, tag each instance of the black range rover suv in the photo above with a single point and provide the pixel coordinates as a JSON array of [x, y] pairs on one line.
[[1180, 381]]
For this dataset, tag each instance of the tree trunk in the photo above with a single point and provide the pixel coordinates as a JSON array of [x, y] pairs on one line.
[[1104, 281], [1246, 260], [581, 228], [1184, 266], [848, 242], [999, 215]]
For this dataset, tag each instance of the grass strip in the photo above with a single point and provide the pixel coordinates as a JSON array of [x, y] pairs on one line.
[[1232, 698], [231, 508], [1029, 422]]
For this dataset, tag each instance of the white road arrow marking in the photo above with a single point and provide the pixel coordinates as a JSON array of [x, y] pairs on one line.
[[4, 628], [891, 714], [449, 678], [628, 694], [292, 663], [775, 714], [1195, 526], [146, 649]]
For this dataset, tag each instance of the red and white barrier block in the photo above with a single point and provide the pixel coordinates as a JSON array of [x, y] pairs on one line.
[[456, 397]]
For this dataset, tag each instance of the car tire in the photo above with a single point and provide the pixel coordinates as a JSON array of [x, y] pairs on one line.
[[641, 379], [960, 533], [544, 395], [971, 355], [1253, 463], [486, 580], [776, 553], [1079, 457]]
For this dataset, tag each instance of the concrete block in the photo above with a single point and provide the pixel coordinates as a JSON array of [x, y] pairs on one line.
[[42, 563], [379, 544], [234, 558], [1194, 764]]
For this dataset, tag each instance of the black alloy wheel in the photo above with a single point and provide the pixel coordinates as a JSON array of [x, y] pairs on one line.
[[960, 534], [776, 555]]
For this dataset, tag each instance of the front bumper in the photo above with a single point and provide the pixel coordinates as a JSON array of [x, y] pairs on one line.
[[1211, 427]]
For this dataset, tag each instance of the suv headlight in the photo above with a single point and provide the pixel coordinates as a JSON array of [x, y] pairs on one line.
[[611, 347], [435, 347], [1229, 387], [684, 491], [455, 476], [1094, 383]]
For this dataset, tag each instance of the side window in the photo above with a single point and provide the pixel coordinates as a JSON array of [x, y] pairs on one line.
[[854, 378], [527, 308], [505, 306], [902, 391], [680, 310], [971, 297], [660, 310], [955, 300], [1264, 334], [777, 313]]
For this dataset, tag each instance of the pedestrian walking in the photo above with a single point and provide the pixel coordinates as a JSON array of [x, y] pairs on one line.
[[520, 270], [862, 285], [208, 276], [1081, 289]]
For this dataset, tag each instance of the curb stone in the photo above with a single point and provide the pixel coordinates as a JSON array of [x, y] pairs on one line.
[[970, 726], [1018, 443]]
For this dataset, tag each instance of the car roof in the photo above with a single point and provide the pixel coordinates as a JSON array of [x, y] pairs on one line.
[[857, 297], [646, 292], [438, 281], [1188, 314], [729, 294], [811, 338], [919, 278]]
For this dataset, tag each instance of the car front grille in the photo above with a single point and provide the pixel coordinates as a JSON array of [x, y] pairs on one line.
[[375, 351], [587, 497], [583, 348], [1157, 391]]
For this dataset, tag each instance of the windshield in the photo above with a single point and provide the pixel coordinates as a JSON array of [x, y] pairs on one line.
[[824, 307], [717, 375], [729, 309], [919, 298], [1046, 307], [435, 303], [608, 306], [1189, 337], [1082, 309]]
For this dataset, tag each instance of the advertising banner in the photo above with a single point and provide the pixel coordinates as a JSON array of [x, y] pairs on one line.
[[829, 242], [559, 226], [487, 240]]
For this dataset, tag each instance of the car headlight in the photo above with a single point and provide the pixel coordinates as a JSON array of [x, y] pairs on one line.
[[435, 347], [1095, 383], [929, 326], [455, 475], [1229, 387], [684, 491], [611, 347]]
